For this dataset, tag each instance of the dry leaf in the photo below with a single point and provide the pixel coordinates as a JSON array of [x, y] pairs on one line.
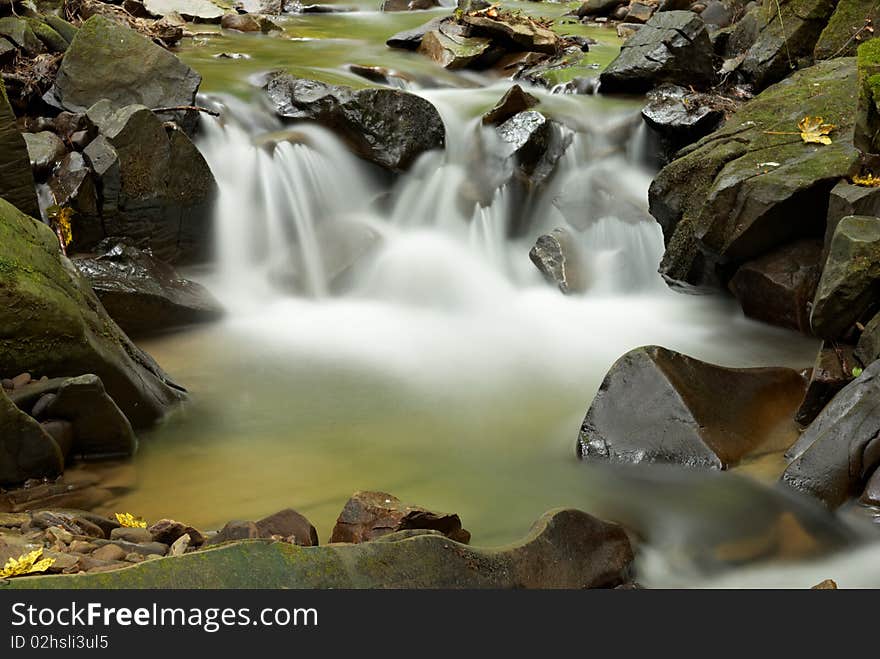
[[26, 564], [130, 521], [813, 131], [867, 181]]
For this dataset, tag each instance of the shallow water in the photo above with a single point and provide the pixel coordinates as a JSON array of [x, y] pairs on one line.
[[444, 370]]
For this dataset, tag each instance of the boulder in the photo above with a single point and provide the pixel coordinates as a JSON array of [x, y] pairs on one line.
[[412, 39], [44, 150], [868, 348], [248, 23], [290, 526], [514, 101], [867, 130], [778, 287], [672, 47], [53, 324], [597, 7], [742, 191], [7, 50], [718, 14], [831, 373], [848, 26], [513, 34], [370, 515], [557, 257], [564, 549], [73, 186], [52, 40], [62, 27], [388, 127], [871, 494], [100, 429], [16, 178], [850, 279], [168, 531], [20, 32], [679, 117], [26, 450], [837, 453], [199, 11], [848, 199], [455, 52], [107, 60], [767, 48], [143, 294], [639, 12], [533, 144], [656, 405]]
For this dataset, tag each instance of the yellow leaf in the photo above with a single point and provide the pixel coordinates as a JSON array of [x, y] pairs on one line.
[[813, 131], [130, 521], [26, 564], [867, 181]]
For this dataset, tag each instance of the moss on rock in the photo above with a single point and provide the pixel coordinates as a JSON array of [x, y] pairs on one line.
[[840, 38]]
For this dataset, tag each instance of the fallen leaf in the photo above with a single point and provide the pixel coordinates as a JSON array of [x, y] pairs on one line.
[[130, 521], [813, 131], [867, 181], [26, 564]]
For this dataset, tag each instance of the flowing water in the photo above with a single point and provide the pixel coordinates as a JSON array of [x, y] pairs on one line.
[[393, 337]]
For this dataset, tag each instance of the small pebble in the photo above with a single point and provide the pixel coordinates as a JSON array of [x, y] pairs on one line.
[[109, 553], [40, 407], [82, 547], [129, 534], [134, 557], [57, 534], [7, 384], [20, 381]]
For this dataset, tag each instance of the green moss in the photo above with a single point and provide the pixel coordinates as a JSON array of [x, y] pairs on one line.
[[849, 18]]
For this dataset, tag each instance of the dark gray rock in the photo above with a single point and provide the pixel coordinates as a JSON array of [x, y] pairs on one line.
[[44, 149], [868, 348], [534, 144], [556, 256], [288, 525], [679, 117], [19, 31], [598, 7], [26, 450], [672, 47], [831, 373], [16, 178], [847, 199], [656, 405], [412, 39]]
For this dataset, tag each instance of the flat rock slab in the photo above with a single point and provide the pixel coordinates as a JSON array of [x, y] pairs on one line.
[[16, 177], [564, 549], [195, 10]]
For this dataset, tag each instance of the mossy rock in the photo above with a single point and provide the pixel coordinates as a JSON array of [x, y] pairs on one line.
[[564, 549], [52, 324], [16, 178], [26, 450], [20, 32], [867, 130], [53, 41], [62, 27], [839, 38], [746, 189]]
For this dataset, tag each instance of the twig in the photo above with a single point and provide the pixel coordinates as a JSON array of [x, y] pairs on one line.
[[858, 32], [187, 108]]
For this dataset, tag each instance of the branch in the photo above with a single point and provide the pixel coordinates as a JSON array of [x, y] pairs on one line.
[[187, 108]]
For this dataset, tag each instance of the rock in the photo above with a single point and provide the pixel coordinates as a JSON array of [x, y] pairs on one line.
[[847, 199], [850, 278], [679, 117], [831, 373], [26, 450], [514, 101], [656, 405], [408, 5], [672, 47], [556, 256], [290, 526], [639, 12], [44, 150], [412, 39], [100, 428], [840, 37], [388, 127], [564, 549], [598, 7], [235, 530], [133, 535], [473, 5], [180, 546], [837, 453], [57, 535], [593, 193], [868, 348], [828, 584], [626, 30], [778, 287], [73, 186], [62, 27], [109, 553], [733, 196], [144, 295], [531, 145], [770, 50], [370, 515], [867, 131], [53, 41], [7, 50], [145, 549], [268, 7], [324, 9], [240, 22], [199, 11], [16, 178], [871, 495], [54, 325], [455, 52], [717, 13], [20, 32], [513, 34], [63, 434], [21, 380], [109, 61], [167, 531], [82, 547]]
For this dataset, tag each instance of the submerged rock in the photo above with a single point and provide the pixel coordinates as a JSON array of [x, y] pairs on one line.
[[388, 127], [287, 525], [371, 515], [656, 405], [54, 325], [564, 549], [16, 177], [741, 191], [556, 256], [840, 450], [672, 47], [143, 294]]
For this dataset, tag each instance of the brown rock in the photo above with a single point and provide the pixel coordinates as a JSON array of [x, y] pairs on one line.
[[167, 531], [370, 515], [871, 495], [514, 101], [639, 12], [831, 373], [133, 535], [235, 530], [109, 553], [240, 22], [288, 524], [828, 584], [21, 380], [82, 547]]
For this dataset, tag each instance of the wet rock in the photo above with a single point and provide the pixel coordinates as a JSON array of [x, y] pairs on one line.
[[109, 61], [100, 428], [837, 453], [455, 52], [200, 11], [556, 256], [778, 287], [26, 450], [837, 38], [412, 39], [850, 277], [514, 101], [771, 49], [73, 186], [517, 35], [593, 193], [598, 7], [167, 531], [717, 13], [408, 5], [388, 127], [672, 47], [831, 373], [679, 117], [847, 199], [731, 197], [248, 23], [639, 12], [144, 295], [131, 534], [564, 549], [63, 434], [868, 348], [16, 177], [531, 145], [871, 495], [44, 149], [656, 405], [370, 515], [290, 526]]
